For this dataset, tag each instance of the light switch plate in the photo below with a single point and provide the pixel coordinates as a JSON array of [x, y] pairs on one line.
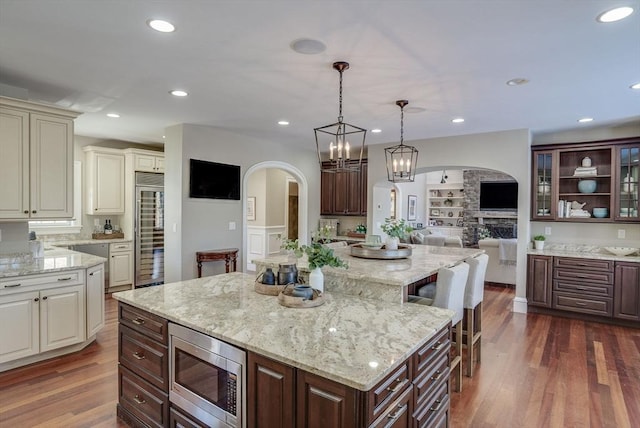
[[232, 225], [621, 233], [547, 230]]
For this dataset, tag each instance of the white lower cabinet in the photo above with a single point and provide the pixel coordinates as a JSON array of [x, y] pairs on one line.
[[62, 317], [48, 312], [120, 264], [95, 299]]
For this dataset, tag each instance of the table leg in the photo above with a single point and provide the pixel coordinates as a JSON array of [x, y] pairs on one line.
[[226, 263], [235, 259], [199, 269]]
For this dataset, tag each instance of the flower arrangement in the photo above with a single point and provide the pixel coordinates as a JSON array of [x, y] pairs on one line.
[[320, 255], [484, 233], [396, 228], [291, 246]]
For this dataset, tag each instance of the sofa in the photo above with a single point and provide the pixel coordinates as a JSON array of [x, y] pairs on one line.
[[505, 272]]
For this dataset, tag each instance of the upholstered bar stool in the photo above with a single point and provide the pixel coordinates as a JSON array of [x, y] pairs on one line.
[[450, 289], [474, 293]]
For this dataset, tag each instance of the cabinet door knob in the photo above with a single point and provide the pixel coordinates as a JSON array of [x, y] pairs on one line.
[[36, 299], [33, 212], [45, 298], [26, 211], [95, 209]]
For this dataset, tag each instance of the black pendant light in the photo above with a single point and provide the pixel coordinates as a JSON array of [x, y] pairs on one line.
[[401, 159], [340, 140]]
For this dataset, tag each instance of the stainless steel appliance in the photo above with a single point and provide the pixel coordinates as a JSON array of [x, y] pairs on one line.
[[149, 229], [100, 250], [207, 377]]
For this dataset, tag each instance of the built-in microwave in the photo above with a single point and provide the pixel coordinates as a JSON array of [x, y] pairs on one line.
[[207, 377]]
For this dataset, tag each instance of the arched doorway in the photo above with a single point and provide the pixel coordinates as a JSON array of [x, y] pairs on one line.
[[260, 243]]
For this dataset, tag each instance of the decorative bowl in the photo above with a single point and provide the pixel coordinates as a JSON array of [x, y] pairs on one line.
[[371, 245], [621, 251], [587, 186], [600, 212]]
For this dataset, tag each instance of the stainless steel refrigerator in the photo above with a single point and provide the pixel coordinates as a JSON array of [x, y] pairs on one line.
[[149, 229]]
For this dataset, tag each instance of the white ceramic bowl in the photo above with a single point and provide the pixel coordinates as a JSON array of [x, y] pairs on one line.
[[621, 251], [371, 246]]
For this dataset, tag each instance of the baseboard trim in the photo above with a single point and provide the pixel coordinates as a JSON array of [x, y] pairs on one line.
[[520, 305]]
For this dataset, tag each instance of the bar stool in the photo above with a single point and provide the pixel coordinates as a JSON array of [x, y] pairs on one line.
[[474, 293], [450, 288]]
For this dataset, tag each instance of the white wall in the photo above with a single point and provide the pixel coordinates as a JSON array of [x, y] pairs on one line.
[[506, 151], [202, 224]]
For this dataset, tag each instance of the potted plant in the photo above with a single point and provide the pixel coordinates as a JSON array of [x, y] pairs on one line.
[[538, 240], [319, 256], [395, 229]]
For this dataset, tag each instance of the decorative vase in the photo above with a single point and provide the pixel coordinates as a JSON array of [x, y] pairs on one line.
[[316, 279], [587, 186], [392, 243], [539, 245]]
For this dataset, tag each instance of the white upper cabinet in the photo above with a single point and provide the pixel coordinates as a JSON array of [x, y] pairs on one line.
[[36, 157], [104, 180], [148, 162]]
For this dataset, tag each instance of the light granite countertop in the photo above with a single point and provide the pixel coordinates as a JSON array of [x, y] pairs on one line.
[[54, 260], [350, 340], [379, 279], [583, 251], [85, 242]]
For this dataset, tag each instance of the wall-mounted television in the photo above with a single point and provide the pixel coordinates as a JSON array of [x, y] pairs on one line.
[[498, 195], [212, 180]]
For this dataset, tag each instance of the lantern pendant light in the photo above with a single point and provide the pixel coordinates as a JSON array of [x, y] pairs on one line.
[[401, 159], [338, 142]]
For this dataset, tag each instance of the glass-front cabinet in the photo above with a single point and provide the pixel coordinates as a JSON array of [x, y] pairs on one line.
[[543, 206], [627, 187]]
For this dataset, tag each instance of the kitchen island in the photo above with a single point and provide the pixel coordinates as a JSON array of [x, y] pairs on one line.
[[388, 280], [375, 353]]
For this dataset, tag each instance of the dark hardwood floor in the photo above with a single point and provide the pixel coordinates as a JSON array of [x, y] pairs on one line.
[[536, 371]]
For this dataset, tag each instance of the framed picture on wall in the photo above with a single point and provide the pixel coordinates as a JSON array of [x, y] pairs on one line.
[[413, 205], [251, 208]]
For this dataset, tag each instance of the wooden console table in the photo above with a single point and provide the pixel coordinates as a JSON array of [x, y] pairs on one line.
[[226, 254]]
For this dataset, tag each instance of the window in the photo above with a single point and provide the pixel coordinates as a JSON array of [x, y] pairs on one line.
[[74, 225]]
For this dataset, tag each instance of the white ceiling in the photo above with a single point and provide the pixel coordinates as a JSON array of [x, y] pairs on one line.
[[449, 58]]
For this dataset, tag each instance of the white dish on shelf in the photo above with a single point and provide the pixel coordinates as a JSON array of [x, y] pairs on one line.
[[621, 251]]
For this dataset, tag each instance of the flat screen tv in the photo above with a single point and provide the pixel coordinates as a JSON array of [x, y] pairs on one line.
[[498, 195], [213, 180]]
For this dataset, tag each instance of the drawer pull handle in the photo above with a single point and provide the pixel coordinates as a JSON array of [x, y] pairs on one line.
[[438, 346], [65, 279], [435, 409], [581, 304], [398, 412], [581, 288], [138, 321], [13, 285], [397, 386], [139, 399], [138, 355], [91, 274], [437, 376]]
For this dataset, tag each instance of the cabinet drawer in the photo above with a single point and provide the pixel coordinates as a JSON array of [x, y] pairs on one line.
[[120, 246], [431, 380], [398, 414], [143, 356], [144, 322], [141, 399], [439, 345], [177, 419], [433, 412], [388, 390], [584, 264], [581, 287], [581, 304], [581, 276], [19, 283]]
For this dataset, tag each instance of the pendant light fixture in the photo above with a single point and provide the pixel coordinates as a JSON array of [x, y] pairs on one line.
[[340, 140], [401, 159]]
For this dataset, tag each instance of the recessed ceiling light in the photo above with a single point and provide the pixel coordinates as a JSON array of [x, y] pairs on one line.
[[113, 115], [161, 25], [457, 120], [614, 15], [585, 120], [178, 93], [635, 86], [308, 46], [376, 130], [283, 122], [517, 81]]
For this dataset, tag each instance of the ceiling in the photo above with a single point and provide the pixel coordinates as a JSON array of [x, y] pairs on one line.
[[449, 58]]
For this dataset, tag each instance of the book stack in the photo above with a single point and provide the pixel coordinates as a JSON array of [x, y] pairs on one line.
[[585, 171]]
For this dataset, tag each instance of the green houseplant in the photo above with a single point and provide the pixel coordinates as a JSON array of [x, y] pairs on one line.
[[395, 229], [538, 241], [319, 256]]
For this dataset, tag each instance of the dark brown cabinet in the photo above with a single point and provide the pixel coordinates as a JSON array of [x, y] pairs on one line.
[[627, 291], [270, 393], [344, 192], [560, 173], [583, 285], [143, 388], [323, 403], [539, 280]]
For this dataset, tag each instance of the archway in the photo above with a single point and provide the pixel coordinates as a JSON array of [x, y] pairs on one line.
[[302, 202]]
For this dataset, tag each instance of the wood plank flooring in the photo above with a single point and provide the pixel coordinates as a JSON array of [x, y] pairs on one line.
[[536, 371]]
